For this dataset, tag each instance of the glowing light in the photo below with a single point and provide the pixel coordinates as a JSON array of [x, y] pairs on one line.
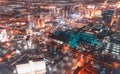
[[17, 51], [75, 15], [61, 21], [1, 59], [118, 4], [91, 6], [3, 36], [98, 12], [15, 71], [8, 56], [116, 65]]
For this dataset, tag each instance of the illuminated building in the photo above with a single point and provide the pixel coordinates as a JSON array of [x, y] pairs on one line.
[[69, 36]]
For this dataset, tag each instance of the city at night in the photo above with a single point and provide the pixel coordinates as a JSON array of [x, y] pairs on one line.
[[59, 36]]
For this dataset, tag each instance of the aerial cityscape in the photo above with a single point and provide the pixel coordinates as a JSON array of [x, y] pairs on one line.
[[59, 36]]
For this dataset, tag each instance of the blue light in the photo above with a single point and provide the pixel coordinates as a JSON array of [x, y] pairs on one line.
[[75, 39], [61, 21]]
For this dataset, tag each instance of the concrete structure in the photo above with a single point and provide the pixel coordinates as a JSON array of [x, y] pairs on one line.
[[38, 67]]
